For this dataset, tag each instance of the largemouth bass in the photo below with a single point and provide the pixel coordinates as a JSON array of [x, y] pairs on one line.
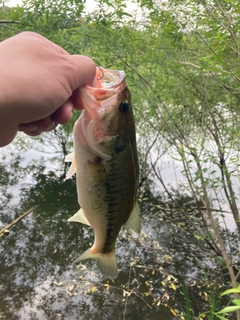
[[106, 164]]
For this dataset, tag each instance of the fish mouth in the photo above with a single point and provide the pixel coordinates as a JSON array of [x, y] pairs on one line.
[[107, 83], [104, 91], [99, 100], [109, 79]]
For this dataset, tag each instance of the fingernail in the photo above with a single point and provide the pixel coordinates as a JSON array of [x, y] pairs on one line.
[[51, 126], [32, 128]]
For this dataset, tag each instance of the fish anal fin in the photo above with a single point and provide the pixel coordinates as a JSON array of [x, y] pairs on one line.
[[106, 263], [80, 217], [72, 169], [133, 224]]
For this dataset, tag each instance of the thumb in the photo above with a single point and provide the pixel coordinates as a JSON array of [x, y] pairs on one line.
[[82, 71]]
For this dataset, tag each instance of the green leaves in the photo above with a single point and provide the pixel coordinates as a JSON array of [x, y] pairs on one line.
[[229, 309], [233, 290]]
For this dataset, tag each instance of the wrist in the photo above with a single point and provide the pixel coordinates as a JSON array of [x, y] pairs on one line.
[[8, 125], [5, 109]]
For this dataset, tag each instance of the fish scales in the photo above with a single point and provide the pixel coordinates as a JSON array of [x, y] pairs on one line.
[[106, 164]]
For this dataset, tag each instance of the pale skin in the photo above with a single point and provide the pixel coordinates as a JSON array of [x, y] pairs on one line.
[[39, 84]]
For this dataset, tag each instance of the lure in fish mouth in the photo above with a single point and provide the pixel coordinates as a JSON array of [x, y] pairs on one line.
[[105, 161]]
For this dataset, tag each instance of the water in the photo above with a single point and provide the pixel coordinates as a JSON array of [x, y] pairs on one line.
[[38, 279]]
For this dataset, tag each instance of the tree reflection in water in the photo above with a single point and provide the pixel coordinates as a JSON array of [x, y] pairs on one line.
[[38, 280]]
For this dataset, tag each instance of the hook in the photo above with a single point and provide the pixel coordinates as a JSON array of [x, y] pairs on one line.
[[102, 73]]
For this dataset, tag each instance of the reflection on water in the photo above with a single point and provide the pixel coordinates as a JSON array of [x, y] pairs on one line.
[[37, 278]]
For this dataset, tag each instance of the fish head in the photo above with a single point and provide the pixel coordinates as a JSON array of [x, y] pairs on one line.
[[107, 116]]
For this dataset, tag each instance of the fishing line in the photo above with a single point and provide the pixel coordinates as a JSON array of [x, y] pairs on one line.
[[128, 287], [130, 145], [131, 251]]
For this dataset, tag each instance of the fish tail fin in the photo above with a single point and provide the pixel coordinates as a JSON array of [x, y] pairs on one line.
[[106, 263], [133, 224]]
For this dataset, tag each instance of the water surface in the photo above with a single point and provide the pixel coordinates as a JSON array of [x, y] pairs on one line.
[[37, 277]]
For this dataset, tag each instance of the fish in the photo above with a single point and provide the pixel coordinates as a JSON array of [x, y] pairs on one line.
[[105, 161]]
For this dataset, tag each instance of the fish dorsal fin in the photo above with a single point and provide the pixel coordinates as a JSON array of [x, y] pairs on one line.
[[133, 225], [80, 217], [73, 168]]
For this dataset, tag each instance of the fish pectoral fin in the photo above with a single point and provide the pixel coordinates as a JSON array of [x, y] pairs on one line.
[[70, 157], [133, 225], [72, 169], [80, 217], [107, 263]]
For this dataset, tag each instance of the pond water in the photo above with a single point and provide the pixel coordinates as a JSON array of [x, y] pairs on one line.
[[38, 279]]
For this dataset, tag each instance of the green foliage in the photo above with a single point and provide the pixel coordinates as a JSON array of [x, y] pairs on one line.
[[229, 309], [182, 64]]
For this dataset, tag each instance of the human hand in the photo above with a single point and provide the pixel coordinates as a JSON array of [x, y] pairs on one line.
[[39, 84]]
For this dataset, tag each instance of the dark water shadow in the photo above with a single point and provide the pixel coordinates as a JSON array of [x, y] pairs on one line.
[[38, 280]]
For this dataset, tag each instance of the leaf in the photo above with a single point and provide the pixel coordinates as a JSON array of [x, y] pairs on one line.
[[107, 286], [220, 317], [58, 283], [123, 13], [173, 312], [237, 302], [172, 285], [108, 3], [93, 289], [233, 290], [229, 309]]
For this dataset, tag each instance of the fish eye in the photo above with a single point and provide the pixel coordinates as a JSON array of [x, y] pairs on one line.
[[124, 106]]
